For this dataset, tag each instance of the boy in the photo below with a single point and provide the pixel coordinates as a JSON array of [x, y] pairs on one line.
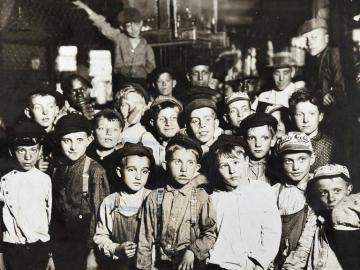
[[132, 102], [178, 219], [108, 126], [237, 108], [259, 131], [117, 230], [298, 219], [164, 113], [248, 221], [26, 200], [283, 71], [79, 186], [134, 57], [199, 72], [307, 113], [164, 82]]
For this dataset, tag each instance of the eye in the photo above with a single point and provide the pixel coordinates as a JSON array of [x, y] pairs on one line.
[[80, 139], [337, 190], [251, 138], [266, 138], [195, 121], [34, 150], [65, 141], [130, 169], [232, 111], [223, 166], [323, 193], [191, 163], [288, 161], [146, 171]]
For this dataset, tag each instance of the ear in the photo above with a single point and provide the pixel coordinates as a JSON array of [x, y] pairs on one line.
[[118, 171], [321, 117], [326, 38], [216, 123], [90, 139], [273, 140], [293, 72], [27, 112], [152, 122], [349, 189], [198, 167], [163, 165], [174, 82], [312, 159], [225, 117], [11, 153], [188, 76]]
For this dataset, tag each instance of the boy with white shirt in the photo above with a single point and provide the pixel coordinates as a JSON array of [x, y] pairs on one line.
[[26, 196]]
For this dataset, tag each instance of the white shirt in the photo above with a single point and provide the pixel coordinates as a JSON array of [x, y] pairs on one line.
[[248, 224], [276, 97], [27, 206]]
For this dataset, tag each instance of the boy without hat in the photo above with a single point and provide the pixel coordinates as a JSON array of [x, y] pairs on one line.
[[164, 82], [259, 131], [178, 219], [108, 126], [117, 229], [199, 72], [338, 222], [79, 186], [134, 57], [26, 199], [298, 219], [248, 221]]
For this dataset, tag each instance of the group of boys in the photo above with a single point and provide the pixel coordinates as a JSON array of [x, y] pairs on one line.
[[186, 190]]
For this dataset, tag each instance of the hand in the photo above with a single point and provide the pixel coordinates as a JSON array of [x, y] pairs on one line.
[[328, 99], [43, 164], [187, 262], [50, 265], [91, 263], [126, 249], [80, 5], [2, 262]]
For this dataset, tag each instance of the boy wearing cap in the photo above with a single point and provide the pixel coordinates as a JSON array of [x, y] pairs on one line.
[[131, 101], [178, 219], [117, 229], [307, 113], [79, 186], [134, 57], [259, 131], [283, 72], [164, 114], [199, 72], [108, 125], [26, 201], [248, 221], [329, 194], [237, 108], [298, 219]]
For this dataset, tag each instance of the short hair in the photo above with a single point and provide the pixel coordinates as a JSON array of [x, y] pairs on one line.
[[305, 95], [154, 112], [109, 115], [123, 161], [270, 128], [43, 92], [230, 151], [127, 88], [175, 147]]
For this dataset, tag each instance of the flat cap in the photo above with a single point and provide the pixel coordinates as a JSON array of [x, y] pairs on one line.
[[294, 142], [312, 24], [132, 87], [59, 98], [128, 15], [72, 123], [258, 119], [235, 96], [282, 60], [27, 133], [197, 104], [229, 140], [186, 142], [162, 99], [135, 149], [198, 61], [331, 170]]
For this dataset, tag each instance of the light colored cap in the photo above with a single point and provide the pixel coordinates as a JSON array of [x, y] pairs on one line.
[[235, 97], [294, 141]]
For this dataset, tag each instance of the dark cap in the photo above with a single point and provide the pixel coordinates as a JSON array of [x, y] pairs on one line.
[[186, 142], [229, 140], [198, 61], [282, 60], [59, 98], [27, 133], [128, 15], [197, 104], [72, 123], [165, 99], [258, 119], [135, 149], [312, 24]]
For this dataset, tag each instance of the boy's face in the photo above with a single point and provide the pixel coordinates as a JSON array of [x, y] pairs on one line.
[[297, 165], [200, 75], [43, 110], [233, 170], [282, 77], [316, 41], [108, 132], [167, 122], [307, 118], [134, 172], [330, 191], [74, 144], [183, 166], [132, 107], [78, 93], [238, 111], [133, 29], [203, 123], [260, 141], [27, 156], [165, 84]]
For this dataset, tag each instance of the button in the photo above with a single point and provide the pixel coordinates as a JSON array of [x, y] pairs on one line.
[[168, 246], [80, 216], [7, 192], [10, 206]]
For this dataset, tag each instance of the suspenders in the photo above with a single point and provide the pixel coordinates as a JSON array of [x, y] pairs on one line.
[[85, 183]]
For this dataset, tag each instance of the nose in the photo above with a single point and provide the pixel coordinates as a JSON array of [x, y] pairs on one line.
[[257, 143], [200, 76], [306, 118], [138, 175], [231, 169], [163, 83], [295, 165], [27, 155], [108, 131], [183, 167], [45, 111], [331, 197], [281, 76], [72, 146], [167, 122]]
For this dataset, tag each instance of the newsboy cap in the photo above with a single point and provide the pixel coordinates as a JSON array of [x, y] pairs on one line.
[[294, 142], [186, 142], [128, 15], [258, 119], [135, 149], [72, 123], [27, 133]]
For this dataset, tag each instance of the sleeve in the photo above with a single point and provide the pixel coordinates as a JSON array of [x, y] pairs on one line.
[[48, 200], [298, 258], [147, 233], [103, 231], [337, 75], [270, 232], [150, 60], [347, 212], [207, 227], [105, 28], [101, 190]]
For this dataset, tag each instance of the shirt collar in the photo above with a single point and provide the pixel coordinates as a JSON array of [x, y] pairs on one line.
[[185, 190], [302, 184]]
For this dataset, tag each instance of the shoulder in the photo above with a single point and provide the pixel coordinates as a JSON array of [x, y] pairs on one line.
[[95, 166], [109, 200], [264, 95], [42, 175]]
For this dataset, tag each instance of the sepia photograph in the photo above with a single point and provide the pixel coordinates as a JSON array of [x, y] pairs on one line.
[[179, 134]]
